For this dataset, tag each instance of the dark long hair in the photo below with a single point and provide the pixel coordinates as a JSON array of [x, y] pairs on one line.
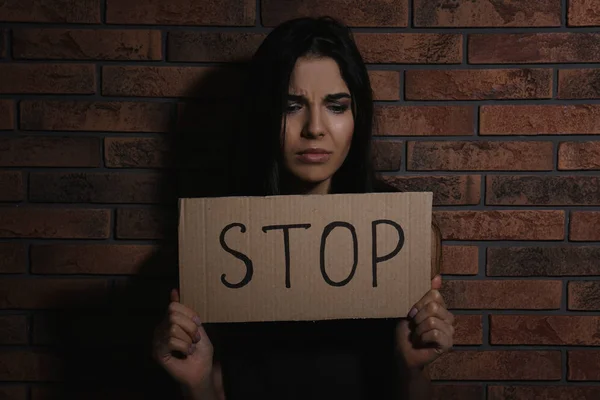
[[258, 169]]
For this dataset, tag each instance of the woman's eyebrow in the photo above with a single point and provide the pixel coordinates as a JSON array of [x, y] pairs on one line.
[[337, 96], [329, 97], [296, 97]]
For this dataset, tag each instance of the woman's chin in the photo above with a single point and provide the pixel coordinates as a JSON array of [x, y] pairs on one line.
[[314, 180], [312, 175]]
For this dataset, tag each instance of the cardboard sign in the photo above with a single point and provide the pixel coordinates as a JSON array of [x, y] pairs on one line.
[[315, 257]]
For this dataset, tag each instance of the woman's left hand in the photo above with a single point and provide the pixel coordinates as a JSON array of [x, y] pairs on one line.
[[428, 331]]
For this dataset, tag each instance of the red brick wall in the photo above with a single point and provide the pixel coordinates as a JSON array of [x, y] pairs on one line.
[[490, 104]]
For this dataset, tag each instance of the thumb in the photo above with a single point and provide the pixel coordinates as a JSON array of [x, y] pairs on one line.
[[436, 282], [175, 295]]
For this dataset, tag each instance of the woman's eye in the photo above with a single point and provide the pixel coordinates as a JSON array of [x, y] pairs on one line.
[[292, 108], [338, 108]]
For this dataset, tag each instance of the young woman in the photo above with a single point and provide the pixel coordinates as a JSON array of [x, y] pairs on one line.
[[305, 128]]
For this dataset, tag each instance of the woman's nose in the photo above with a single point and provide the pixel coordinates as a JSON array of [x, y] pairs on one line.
[[314, 125]]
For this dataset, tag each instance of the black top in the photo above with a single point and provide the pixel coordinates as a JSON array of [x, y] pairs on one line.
[[349, 359]]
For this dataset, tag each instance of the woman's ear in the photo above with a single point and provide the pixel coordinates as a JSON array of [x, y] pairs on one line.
[[436, 249]]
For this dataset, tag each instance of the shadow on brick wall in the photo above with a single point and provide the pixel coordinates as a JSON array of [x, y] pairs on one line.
[[104, 345]]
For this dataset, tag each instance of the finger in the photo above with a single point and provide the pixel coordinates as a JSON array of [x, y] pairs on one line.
[[175, 307], [432, 296], [203, 337], [433, 309], [436, 282], [437, 339], [175, 295], [434, 323], [175, 331], [181, 346], [186, 325]]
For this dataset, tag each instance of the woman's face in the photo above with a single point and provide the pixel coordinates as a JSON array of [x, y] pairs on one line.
[[318, 121]]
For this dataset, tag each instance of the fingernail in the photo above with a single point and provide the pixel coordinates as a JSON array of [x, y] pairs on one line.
[[196, 320], [198, 336], [191, 349], [412, 313]]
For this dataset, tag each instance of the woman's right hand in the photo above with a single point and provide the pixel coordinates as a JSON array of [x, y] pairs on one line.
[[182, 347]]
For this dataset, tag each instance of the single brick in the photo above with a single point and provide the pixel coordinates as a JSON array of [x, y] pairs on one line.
[[30, 366], [146, 223], [54, 223], [95, 116], [11, 186], [79, 330], [14, 392], [456, 392], [193, 46], [480, 156], [385, 85], [13, 330], [497, 365], [13, 258], [48, 78], [49, 151], [584, 13], [543, 261], [506, 294], [181, 12], [52, 293], [69, 187], [579, 83], [579, 156], [486, 13], [543, 190], [102, 259], [516, 48], [502, 225], [376, 13], [460, 260], [122, 367], [468, 330], [544, 330], [478, 84], [387, 155], [584, 365], [87, 44], [584, 295], [170, 81], [584, 226], [540, 119], [139, 152], [410, 48], [520, 392], [447, 189], [7, 115], [57, 11], [424, 120]]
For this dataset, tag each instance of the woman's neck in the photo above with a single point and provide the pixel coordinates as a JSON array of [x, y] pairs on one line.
[[310, 188]]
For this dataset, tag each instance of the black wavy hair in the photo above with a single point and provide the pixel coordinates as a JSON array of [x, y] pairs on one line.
[[258, 168]]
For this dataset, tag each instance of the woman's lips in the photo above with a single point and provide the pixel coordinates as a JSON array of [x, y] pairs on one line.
[[313, 156]]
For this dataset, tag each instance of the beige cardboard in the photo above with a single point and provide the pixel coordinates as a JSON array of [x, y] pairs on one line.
[[401, 280]]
